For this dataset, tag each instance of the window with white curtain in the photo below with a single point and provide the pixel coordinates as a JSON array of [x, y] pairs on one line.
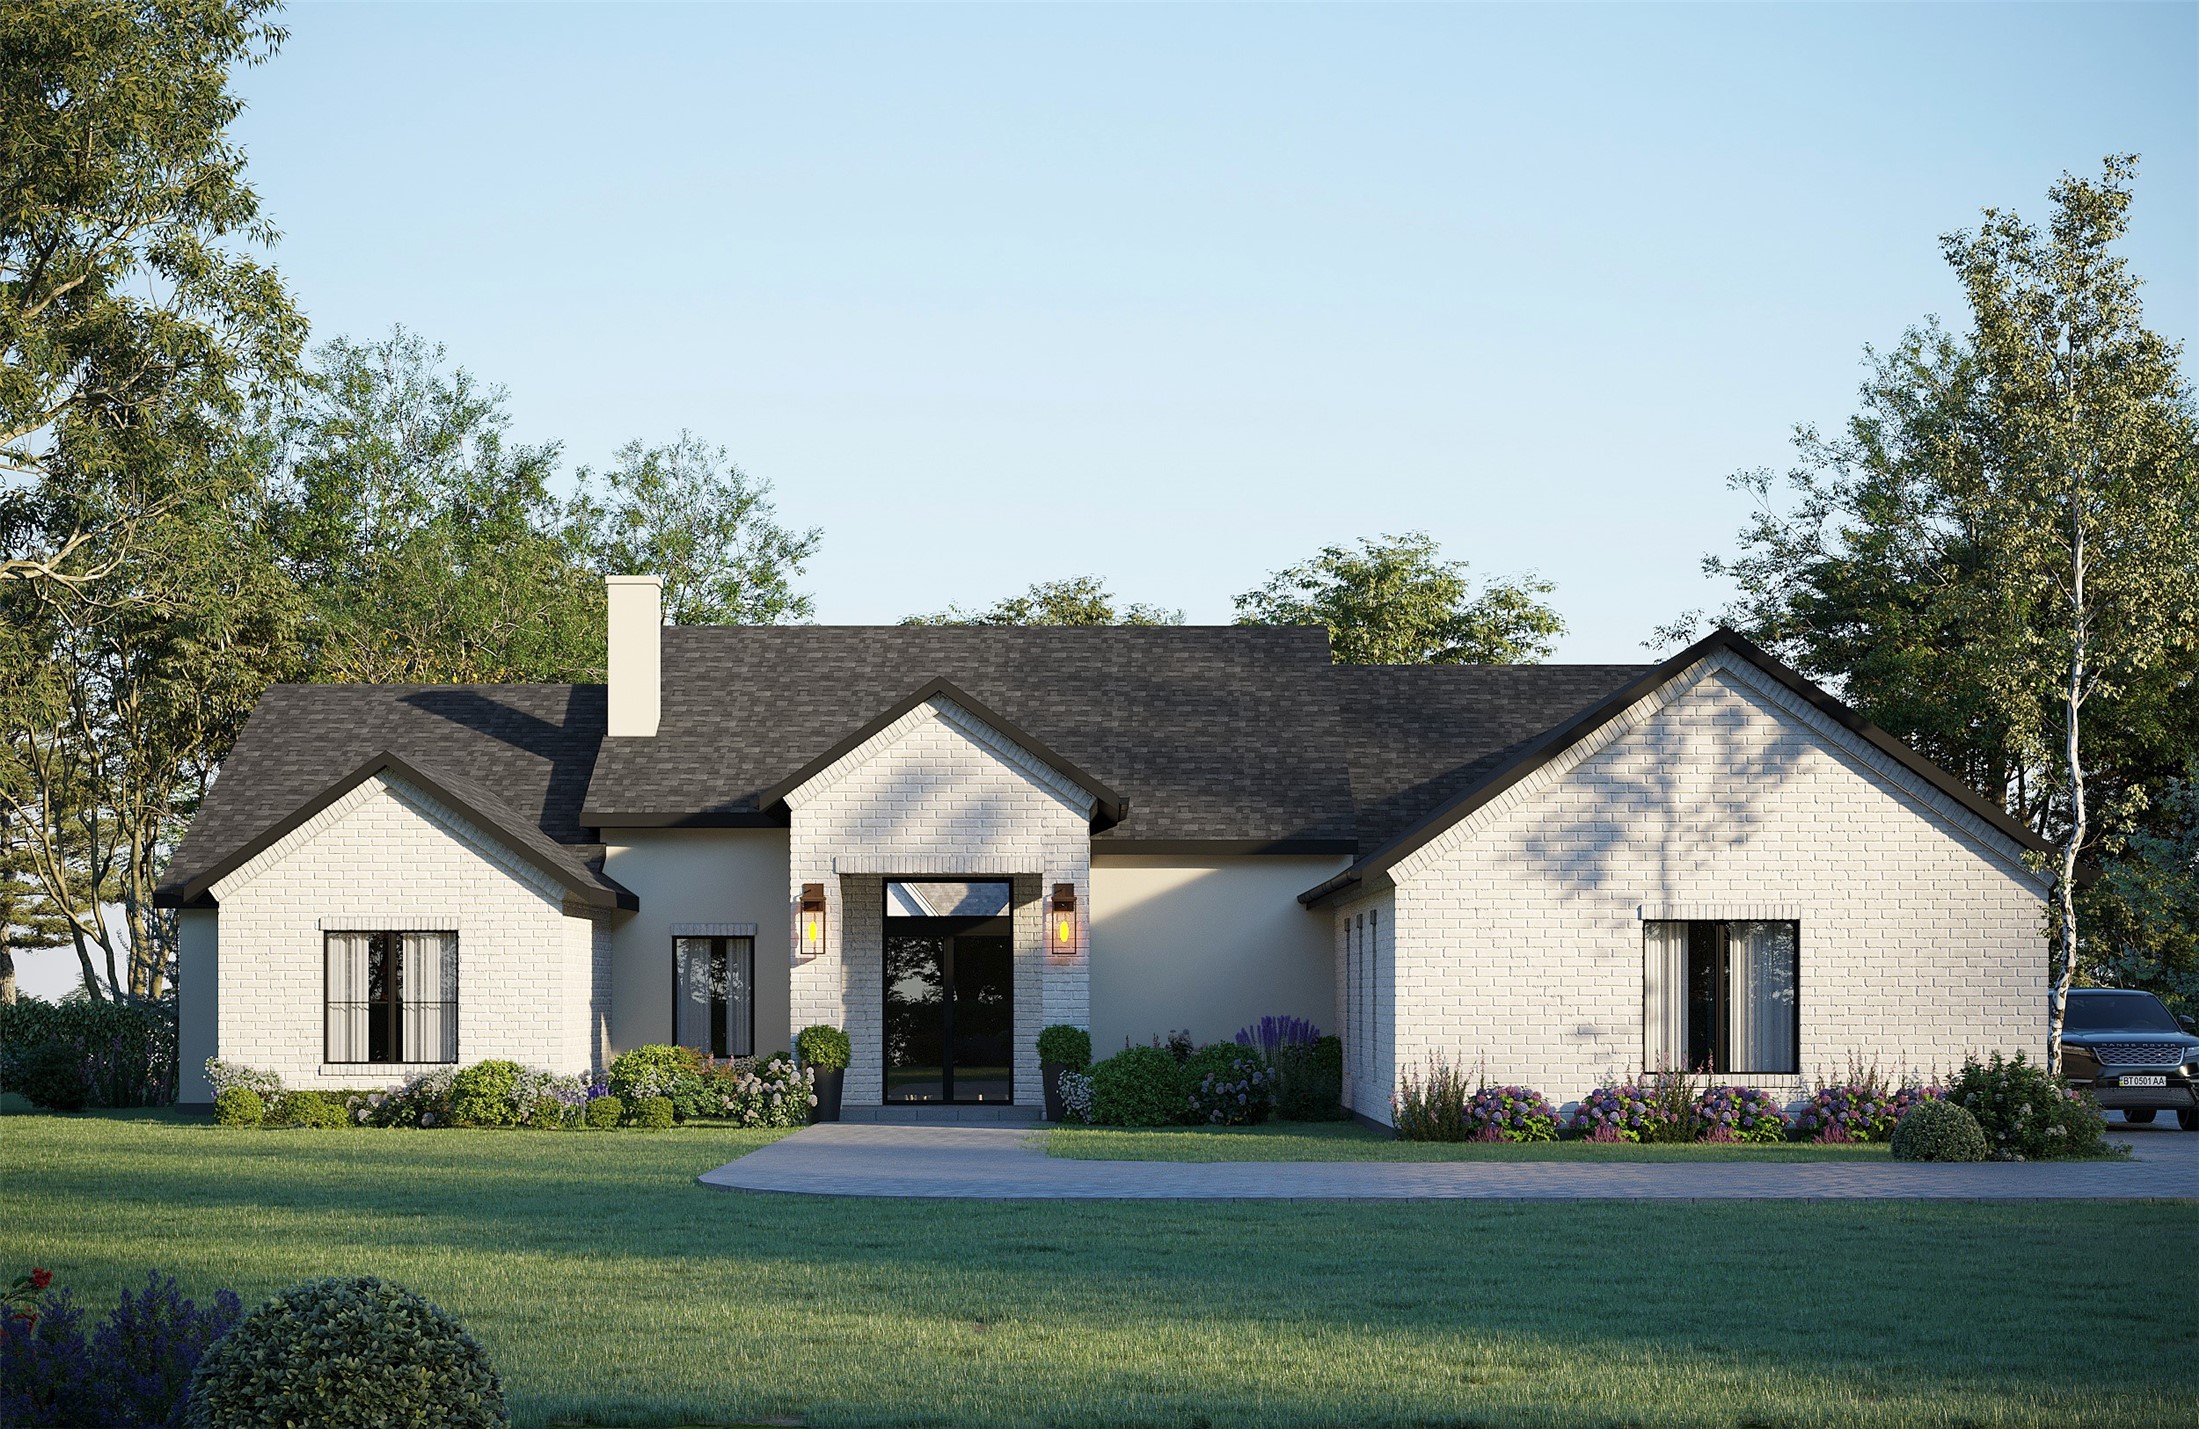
[[713, 1002], [391, 996], [1722, 995]]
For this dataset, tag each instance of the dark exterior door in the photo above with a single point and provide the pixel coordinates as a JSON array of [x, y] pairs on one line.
[[950, 1010]]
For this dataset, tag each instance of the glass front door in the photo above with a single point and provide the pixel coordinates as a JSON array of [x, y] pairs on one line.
[[950, 993]]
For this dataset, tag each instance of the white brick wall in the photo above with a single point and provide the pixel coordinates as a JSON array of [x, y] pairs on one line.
[[936, 792], [532, 981], [1519, 932]]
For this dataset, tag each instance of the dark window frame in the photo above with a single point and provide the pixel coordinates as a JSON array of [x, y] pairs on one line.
[[718, 951], [393, 1031], [1721, 930]]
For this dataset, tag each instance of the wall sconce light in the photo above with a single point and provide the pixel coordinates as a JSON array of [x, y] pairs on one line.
[[1063, 932], [813, 919]]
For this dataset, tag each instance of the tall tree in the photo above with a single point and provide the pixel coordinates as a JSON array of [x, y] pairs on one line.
[[28, 920], [1078, 600], [1999, 557], [133, 327], [1396, 601], [686, 512], [431, 546]]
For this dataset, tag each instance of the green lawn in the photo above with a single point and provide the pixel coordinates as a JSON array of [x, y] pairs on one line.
[[612, 1290], [1349, 1141]]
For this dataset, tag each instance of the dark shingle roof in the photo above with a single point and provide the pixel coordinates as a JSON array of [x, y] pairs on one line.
[[517, 755], [1207, 732]]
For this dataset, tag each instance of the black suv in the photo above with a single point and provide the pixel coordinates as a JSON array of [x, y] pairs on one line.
[[2125, 1049]]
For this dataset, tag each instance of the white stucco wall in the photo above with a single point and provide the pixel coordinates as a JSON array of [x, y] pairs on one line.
[[1208, 943], [388, 856], [1722, 795], [935, 792], [707, 876], [198, 996]]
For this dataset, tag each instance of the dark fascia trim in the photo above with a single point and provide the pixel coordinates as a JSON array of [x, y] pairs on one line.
[[583, 890], [1104, 846], [600, 819], [1377, 864], [1110, 805]]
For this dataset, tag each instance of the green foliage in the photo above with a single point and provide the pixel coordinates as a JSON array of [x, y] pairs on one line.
[[652, 1071], [2144, 911], [355, 1351], [1079, 600], [1066, 1046], [1138, 1086], [326, 1111], [823, 1047], [604, 1113], [126, 1051], [1310, 1083], [651, 1113], [223, 1075], [52, 1075], [686, 512], [1671, 1099], [1431, 1103], [238, 1106], [1396, 601], [481, 1095], [2026, 1111], [1228, 1085], [1935, 1130]]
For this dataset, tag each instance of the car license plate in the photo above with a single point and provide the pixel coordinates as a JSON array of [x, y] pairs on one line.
[[2145, 1081]]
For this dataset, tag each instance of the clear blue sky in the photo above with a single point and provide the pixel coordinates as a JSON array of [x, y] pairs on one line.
[[1176, 295]]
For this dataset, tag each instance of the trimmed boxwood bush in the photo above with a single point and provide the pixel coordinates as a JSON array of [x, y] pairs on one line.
[[52, 1075], [1138, 1086], [1311, 1081], [824, 1047], [2026, 1111], [324, 1110], [481, 1095], [653, 1113], [354, 1351], [1066, 1046], [1934, 1130], [604, 1112], [238, 1106]]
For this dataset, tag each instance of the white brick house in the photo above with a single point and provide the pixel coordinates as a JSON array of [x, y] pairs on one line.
[[943, 840]]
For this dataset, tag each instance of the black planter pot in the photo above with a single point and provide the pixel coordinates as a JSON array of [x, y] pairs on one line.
[[828, 1094], [1050, 1077]]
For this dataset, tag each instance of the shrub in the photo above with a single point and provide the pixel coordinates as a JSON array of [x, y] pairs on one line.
[[422, 1101], [651, 1113], [1311, 1081], [1739, 1114], [2025, 1111], [547, 1101], [238, 1106], [1511, 1114], [653, 1071], [1138, 1086], [1615, 1112], [135, 1368], [1862, 1107], [1228, 1085], [351, 1351], [52, 1075], [604, 1112], [770, 1092], [1431, 1106], [1935, 1130], [481, 1095], [1271, 1035], [125, 1051], [1076, 1097], [1065, 1046], [324, 1110], [224, 1075], [1672, 1097], [824, 1047]]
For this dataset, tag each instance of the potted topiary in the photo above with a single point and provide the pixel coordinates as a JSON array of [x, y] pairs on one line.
[[825, 1051], [1061, 1048]]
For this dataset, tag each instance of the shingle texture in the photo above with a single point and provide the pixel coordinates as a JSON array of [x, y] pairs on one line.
[[1236, 733]]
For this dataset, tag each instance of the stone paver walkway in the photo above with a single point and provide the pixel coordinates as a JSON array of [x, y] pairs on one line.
[[1003, 1164]]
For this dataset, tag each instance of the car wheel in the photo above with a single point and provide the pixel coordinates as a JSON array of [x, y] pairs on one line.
[[2139, 1116], [2188, 1118]]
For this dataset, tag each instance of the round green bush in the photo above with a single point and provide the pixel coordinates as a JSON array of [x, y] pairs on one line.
[[322, 1110], [654, 1071], [239, 1106], [1935, 1130], [824, 1047], [1066, 1046], [653, 1113], [603, 1113], [1138, 1086], [347, 1353], [52, 1074], [481, 1095]]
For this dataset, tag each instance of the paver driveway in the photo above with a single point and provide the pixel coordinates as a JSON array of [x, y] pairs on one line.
[[1006, 1164]]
